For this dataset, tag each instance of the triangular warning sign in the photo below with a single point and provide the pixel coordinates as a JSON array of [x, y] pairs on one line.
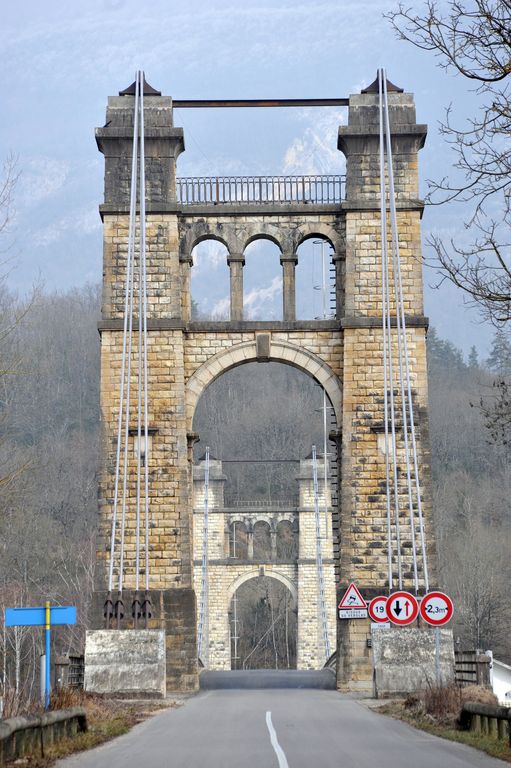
[[352, 598]]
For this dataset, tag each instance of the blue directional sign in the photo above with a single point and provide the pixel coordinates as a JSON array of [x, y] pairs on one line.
[[47, 617], [36, 617]]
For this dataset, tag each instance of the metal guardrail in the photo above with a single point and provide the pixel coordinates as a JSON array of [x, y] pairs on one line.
[[256, 190]]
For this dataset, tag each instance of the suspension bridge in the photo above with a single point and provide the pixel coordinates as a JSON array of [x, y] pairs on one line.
[[158, 547]]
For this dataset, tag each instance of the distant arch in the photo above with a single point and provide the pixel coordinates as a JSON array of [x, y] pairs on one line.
[[238, 540], [286, 541], [236, 584], [262, 541]]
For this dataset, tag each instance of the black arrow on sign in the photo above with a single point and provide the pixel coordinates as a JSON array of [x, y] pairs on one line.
[[397, 609]]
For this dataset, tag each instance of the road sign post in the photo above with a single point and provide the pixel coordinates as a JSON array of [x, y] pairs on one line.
[[47, 682], [42, 617]]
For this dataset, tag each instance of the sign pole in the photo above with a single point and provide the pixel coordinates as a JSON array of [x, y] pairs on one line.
[[47, 659], [437, 656], [42, 616]]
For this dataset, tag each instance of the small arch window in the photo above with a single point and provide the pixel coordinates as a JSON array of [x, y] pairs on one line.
[[210, 292], [287, 541], [238, 540], [315, 280], [262, 281], [262, 541]]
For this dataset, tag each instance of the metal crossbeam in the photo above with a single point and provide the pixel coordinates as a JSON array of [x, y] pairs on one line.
[[222, 103]]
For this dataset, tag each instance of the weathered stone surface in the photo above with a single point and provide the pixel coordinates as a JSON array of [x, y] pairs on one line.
[[406, 659], [128, 662], [343, 356]]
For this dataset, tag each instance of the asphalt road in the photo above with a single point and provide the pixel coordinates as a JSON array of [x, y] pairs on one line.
[[277, 729]]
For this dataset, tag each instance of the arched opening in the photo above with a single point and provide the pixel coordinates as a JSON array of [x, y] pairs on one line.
[[262, 281], [238, 540], [260, 421], [315, 280], [263, 624], [287, 541], [262, 542], [210, 292]]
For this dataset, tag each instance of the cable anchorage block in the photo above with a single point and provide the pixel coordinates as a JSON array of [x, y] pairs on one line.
[[136, 609], [108, 610], [146, 609], [119, 609]]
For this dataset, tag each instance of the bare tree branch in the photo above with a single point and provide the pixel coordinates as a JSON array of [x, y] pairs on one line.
[[474, 39]]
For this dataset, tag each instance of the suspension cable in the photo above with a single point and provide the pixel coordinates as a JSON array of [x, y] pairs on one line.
[[392, 398], [141, 337], [129, 262], [144, 309], [123, 431], [383, 236], [401, 316], [401, 332]]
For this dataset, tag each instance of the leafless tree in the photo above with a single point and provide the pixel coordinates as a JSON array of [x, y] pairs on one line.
[[473, 39]]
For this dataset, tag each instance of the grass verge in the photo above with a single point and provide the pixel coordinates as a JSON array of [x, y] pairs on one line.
[[106, 718], [426, 722]]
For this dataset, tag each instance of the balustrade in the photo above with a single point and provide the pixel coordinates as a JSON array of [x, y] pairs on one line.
[[217, 190]]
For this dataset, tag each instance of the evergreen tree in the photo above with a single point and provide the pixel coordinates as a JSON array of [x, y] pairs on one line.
[[443, 355], [473, 358], [499, 360]]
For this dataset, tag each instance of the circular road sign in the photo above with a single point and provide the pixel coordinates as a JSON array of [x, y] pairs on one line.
[[436, 608], [378, 609], [402, 608]]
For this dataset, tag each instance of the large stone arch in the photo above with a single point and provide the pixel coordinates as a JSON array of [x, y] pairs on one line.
[[280, 352], [254, 574]]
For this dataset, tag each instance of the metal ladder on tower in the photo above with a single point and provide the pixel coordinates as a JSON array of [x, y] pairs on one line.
[[319, 557], [203, 605]]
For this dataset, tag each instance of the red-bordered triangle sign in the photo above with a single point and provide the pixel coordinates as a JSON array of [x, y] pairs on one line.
[[352, 598]]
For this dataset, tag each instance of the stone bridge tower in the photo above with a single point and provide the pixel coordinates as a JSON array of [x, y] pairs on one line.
[[233, 559], [343, 355]]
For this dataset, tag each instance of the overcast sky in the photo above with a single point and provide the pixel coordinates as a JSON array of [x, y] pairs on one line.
[[61, 60]]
